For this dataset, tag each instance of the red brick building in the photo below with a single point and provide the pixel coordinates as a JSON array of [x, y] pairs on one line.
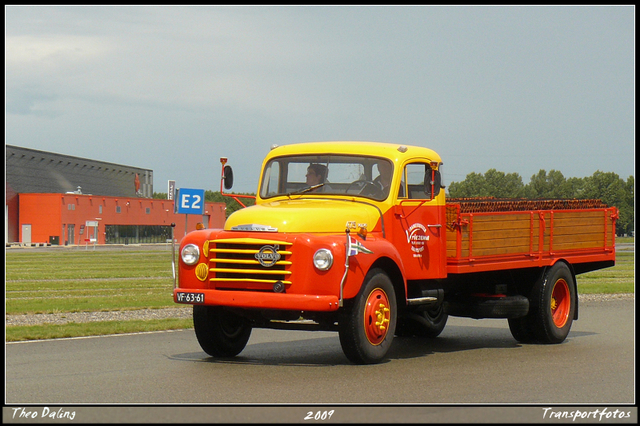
[[66, 219], [64, 200]]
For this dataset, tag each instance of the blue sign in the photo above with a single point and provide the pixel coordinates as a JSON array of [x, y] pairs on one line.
[[189, 201]]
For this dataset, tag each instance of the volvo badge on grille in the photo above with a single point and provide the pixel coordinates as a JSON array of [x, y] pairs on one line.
[[268, 255]]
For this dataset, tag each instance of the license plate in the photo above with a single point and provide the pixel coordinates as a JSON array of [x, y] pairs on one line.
[[182, 297]]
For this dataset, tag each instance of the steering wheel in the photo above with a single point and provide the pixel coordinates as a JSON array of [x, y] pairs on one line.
[[366, 188]]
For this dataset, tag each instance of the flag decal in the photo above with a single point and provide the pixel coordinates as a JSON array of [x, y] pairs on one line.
[[356, 247]]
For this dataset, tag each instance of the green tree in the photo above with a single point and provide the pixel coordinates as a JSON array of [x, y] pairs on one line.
[[217, 197], [232, 205], [472, 186], [501, 185], [607, 187], [575, 187], [492, 184], [613, 191], [551, 185], [627, 209]]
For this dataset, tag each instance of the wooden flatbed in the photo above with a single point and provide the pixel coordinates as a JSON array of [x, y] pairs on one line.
[[489, 234]]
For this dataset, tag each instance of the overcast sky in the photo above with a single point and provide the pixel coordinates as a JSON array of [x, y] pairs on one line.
[[172, 89]]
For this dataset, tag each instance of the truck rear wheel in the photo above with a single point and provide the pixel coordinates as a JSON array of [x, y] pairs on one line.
[[367, 329], [553, 304], [220, 333], [522, 329]]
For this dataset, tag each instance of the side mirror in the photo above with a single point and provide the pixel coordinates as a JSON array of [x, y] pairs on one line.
[[228, 177], [436, 183]]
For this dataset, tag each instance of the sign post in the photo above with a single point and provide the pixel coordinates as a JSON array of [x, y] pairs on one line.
[[172, 189], [93, 237], [189, 201]]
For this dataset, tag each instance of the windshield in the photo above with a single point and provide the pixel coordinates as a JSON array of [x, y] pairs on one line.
[[368, 177]]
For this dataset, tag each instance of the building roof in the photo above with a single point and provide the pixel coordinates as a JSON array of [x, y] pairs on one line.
[[33, 171]]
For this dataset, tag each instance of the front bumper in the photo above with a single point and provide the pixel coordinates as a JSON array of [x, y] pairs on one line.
[[256, 300]]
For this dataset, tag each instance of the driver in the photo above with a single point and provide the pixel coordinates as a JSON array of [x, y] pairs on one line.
[[316, 174]]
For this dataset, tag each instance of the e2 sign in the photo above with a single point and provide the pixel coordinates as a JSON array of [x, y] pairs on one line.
[[189, 201]]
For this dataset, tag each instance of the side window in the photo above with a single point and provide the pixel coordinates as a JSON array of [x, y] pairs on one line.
[[421, 181], [297, 173], [271, 180], [415, 175]]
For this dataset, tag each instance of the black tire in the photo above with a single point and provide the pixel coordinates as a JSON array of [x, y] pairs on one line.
[[366, 330], [220, 333], [428, 323], [553, 303], [522, 330]]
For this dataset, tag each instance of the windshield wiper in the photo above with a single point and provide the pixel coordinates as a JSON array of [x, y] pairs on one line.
[[304, 190]]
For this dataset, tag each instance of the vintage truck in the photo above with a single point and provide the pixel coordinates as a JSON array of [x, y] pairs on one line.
[[358, 238]]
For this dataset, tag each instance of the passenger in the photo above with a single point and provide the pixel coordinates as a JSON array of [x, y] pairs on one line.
[[383, 181], [386, 173]]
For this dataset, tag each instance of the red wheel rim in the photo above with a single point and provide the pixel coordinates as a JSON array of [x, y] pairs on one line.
[[560, 303], [376, 316]]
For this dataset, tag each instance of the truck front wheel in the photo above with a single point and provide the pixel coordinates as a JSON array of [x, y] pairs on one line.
[[220, 333], [553, 304], [366, 330]]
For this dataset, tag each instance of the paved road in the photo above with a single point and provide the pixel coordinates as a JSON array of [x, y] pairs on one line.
[[473, 361]]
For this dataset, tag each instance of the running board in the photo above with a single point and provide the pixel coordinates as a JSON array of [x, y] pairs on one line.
[[421, 301], [428, 297]]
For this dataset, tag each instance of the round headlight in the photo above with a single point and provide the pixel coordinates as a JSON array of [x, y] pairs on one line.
[[323, 259], [190, 254]]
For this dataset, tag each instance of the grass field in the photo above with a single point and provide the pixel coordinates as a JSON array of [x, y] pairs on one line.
[[58, 280], [619, 279], [73, 280], [63, 279]]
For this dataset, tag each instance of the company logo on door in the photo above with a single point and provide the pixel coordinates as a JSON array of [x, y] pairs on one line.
[[417, 236]]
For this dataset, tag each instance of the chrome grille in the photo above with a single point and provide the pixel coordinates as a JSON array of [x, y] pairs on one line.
[[234, 264]]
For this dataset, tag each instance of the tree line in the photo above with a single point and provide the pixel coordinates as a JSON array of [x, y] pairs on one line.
[[605, 186], [232, 205], [217, 197]]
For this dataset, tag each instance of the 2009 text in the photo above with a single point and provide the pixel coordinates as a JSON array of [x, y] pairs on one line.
[[319, 415]]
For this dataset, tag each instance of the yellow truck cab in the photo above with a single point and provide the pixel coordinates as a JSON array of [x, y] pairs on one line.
[[352, 237]]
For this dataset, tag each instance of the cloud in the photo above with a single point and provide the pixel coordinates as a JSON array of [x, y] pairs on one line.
[[511, 88], [24, 101]]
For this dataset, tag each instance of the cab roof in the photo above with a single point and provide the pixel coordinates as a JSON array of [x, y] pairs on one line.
[[395, 152]]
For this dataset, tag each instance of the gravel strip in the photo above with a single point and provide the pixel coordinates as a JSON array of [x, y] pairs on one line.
[[67, 317], [179, 312], [604, 297]]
